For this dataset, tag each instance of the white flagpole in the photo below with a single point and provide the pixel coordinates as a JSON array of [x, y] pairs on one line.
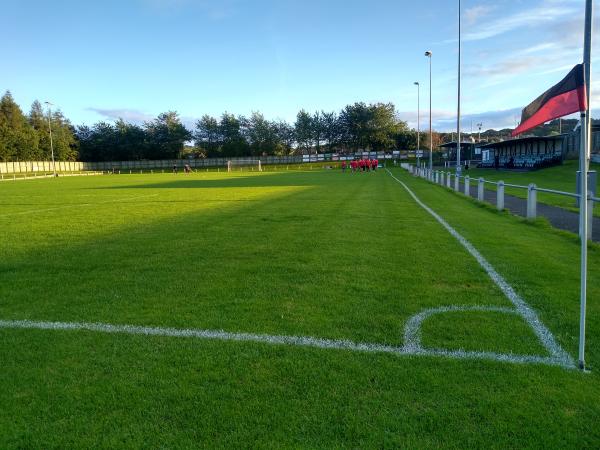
[[584, 155]]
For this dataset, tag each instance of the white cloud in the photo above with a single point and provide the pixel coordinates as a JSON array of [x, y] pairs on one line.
[[128, 115], [545, 13], [472, 15], [137, 117], [445, 120]]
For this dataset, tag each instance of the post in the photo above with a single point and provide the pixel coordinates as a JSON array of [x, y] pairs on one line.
[[531, 201], [458, 108], [480, 190], [590, 211], [457, 182], [584, 155], [467, 186], [430, 124], [418, 117], [50, 132], [442, 177], [448, 177], [500, 196]]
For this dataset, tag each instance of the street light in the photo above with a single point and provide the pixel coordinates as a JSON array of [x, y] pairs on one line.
[[479, 125], [458, 107], [50, 130], [428, 54], [416, 83]]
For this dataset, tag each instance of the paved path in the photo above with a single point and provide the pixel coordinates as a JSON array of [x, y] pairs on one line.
[[558, 217]]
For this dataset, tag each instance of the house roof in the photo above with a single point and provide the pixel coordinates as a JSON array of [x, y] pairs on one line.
[[523, 140]]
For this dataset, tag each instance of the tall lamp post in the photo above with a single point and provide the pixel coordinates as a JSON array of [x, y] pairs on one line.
[[428, 54], [416, 83], [479, 125], [50, 131], [584, 160], [458, 108]]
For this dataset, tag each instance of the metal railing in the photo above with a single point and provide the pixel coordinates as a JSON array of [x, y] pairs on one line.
[[444, 178]]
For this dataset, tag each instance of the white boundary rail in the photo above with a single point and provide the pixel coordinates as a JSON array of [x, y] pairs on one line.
[[532, 190]]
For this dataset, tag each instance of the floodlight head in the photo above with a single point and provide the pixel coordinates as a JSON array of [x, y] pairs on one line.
[[48, 103], [416, 83], [428, 53]]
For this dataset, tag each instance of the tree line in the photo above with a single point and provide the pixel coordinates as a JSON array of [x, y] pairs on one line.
[[27, 137], [359, 126]]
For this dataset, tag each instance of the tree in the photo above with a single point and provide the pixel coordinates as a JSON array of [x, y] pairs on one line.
[[18, 140], [285, 133], [207, 137], [166, 136], [331, 129], [39, 121], [63, 138], [318, 129], [97, 143], [234, 142], [262, 135], [407, 139], [303, 130], [130, 141], [354, 125], [381, 126]]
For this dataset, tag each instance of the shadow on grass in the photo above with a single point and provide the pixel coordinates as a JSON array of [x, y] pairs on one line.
[[257, 181]]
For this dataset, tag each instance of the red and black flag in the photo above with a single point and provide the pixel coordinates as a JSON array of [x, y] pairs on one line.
[[566, 97]]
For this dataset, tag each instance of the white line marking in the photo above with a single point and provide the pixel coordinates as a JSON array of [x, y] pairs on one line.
[[412, 329], [544, 334], [34, 211], [299, 341]]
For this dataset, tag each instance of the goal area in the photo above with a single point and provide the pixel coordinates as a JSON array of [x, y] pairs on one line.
[[253, 165]]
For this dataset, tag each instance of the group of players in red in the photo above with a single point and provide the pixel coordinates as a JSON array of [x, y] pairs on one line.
[[366, 165]]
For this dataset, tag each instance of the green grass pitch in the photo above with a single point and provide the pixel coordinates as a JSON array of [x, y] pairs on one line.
[[316, 254]]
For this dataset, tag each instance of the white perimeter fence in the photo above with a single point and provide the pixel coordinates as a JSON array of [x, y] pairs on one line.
[[22, 167], [452, 181], [77, 166]]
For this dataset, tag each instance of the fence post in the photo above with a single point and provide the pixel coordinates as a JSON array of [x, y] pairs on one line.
[[590, 215], [468, 186], [500, 196], [456, 183], [531, 201], [448, 178], [480, 190]]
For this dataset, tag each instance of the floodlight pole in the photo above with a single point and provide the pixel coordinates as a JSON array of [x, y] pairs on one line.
[[418, 121], [50, 131], [428, 54], [458, 108], [584, 158]]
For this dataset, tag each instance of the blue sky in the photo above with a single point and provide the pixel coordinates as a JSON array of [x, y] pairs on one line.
[[136, 58]]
